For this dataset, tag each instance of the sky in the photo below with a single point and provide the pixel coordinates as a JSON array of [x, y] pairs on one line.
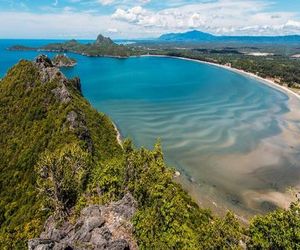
[[128, 19]]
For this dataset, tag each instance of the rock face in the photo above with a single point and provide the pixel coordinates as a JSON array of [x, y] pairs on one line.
[[47, 70], [98, 227], [104, 40]]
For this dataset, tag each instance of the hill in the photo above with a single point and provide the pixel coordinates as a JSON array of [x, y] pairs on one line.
[[40, 110], [66, 182], [188, 36], [103, 46], [201, 37]]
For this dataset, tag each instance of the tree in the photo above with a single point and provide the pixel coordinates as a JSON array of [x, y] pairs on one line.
[[277, 230], [62, 175]]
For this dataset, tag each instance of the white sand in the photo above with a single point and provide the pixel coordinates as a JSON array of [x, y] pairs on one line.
[[119, 136]]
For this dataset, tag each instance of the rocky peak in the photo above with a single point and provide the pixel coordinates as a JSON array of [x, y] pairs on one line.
[[98, 227], [103, 40], [43, 61], [47, 70]]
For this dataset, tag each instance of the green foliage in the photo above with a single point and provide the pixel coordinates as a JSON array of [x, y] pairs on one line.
[[223, 233], [32, 121], [108, 180], [62, 176], [167, 218], [277, 230]]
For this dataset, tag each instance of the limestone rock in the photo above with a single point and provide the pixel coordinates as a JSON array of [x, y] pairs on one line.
[[98, 227], [40, 244], [62, 94], [47, 70]]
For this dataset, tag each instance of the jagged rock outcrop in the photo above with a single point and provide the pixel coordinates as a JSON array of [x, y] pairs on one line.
[[98, 227], [48, 72], [62, 93], [103, 40]]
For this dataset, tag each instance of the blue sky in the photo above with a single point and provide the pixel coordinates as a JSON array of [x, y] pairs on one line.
[[146, 18]]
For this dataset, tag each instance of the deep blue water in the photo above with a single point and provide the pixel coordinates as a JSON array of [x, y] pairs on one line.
[[203, 114]]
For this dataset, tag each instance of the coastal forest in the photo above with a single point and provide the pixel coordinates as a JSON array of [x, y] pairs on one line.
[[60, 156]]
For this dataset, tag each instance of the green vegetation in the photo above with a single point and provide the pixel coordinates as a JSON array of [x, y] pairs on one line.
[[33, 120], [101, 47], [62, 176], [58, 156], [277, 230]]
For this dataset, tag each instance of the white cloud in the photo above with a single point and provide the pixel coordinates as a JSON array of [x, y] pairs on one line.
[[124, 2], [231, 17], [223, 16], [112, 30], [133, 15], [106, 2], [294, 24], [63, 25]]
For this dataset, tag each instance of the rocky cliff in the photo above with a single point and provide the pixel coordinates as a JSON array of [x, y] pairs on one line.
[[97, 227]]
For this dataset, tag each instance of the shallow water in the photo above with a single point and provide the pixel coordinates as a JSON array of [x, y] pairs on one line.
[[233, 138]]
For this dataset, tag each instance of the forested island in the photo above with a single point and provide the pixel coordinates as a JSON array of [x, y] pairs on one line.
[[103, 46], [67, 183]]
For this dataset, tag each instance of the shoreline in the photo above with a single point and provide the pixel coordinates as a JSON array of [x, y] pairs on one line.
[[119, 135], [265, 81]]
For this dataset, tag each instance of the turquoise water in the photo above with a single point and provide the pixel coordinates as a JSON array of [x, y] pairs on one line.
[[208, 119]]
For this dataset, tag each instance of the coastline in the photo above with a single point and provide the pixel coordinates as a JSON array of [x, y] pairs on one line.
[[272, 151], [119, 136], [265, 81], [268, 82]]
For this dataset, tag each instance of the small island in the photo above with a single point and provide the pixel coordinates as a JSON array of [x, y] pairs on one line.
[[103, 46], [62, 60]]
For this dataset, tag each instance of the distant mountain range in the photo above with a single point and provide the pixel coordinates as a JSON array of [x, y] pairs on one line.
[[198, 36]]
